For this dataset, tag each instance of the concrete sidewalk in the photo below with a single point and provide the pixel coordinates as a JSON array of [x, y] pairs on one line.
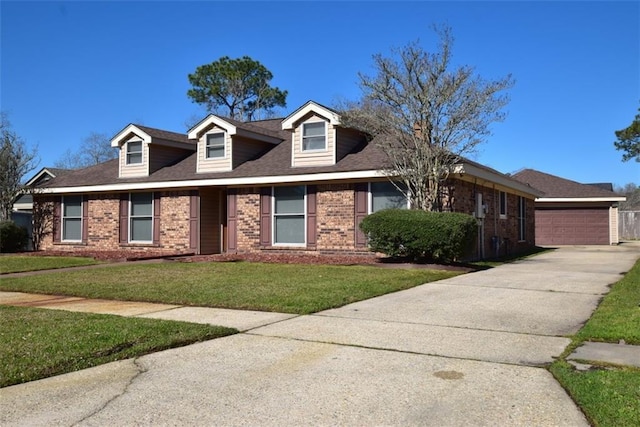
[[462, 351]]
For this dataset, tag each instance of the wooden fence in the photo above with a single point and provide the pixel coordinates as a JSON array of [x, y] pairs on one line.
[[629, 225]]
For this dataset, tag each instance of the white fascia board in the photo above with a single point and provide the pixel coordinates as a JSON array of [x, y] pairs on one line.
[[497, 178], [226, 182], [289, 122], [38, 175], [124, 133], [579, 199], [197, 130]]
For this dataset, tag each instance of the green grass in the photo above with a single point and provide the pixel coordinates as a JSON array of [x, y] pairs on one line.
[[39, 343], [290, 288], [19, 263], [608, 395]]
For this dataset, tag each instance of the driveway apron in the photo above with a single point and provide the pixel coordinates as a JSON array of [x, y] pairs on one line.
[[463, 351]]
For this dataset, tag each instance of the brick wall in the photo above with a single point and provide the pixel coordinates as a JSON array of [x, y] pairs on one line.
[[248, 211], [103, 226]]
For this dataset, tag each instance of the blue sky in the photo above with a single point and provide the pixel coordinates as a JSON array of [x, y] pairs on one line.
[[72, 68]]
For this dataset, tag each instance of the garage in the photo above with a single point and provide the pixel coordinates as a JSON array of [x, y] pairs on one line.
[[572, 226], [572, 213]]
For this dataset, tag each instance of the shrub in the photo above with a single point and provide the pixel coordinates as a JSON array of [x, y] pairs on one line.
[[420, 235], [13, 238]]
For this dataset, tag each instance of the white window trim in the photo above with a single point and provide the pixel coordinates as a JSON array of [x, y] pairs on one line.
[[506, 203], [129, 217], [224, 145], [126, 154], [370, 199], [326, 138], [63, 217], [273, 220]]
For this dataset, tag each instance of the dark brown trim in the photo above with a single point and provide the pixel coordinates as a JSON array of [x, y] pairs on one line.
[[85, 219], [57, 215], [124, 218], [232, 221], [265, 216], [312, 212], [156, 218], [361, 210], [194, 210]]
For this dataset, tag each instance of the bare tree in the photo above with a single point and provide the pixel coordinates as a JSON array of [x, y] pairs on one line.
[[15, 162], [41, 216], [96, 148], [425, 114]]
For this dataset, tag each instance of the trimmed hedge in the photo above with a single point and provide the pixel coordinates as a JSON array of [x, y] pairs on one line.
[[13, 238], [421, 235]]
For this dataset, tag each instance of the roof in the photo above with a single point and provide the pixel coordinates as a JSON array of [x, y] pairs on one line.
[[555, 187], [273, 166]]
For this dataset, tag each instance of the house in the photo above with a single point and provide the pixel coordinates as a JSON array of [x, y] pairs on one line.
[[571, 213], [300, 184]]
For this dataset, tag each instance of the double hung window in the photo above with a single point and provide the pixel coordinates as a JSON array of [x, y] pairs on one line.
[[214, 147], [314, 136], [72, 218], [141, 217], [385, 195], [522, 218], [134, 152], [289, 215], [503, 204]]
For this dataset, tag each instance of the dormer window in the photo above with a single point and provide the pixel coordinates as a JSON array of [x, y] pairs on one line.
[[314, 136], [134, 152], [215, 145]]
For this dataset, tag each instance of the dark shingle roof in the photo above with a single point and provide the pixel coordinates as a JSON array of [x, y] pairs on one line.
[[163, 134], [555, 186]]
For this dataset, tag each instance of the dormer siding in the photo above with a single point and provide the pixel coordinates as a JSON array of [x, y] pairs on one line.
[[134, 170], [218, 164], [324, 157], [245, 149], [346, 141]]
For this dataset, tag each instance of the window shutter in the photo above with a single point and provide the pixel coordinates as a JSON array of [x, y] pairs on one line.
[[361, 210], [156, 218], [232, 221], [124, 218], [85, 219], [194, 208], [312, 228], [57, 228], [265, 216]]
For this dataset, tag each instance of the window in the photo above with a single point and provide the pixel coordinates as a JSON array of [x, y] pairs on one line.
[[313, 136], [134, 152], [214, 148], [72, 218], [522, 204], [503, 204], [289, 215], [141, 217], [385, 195]]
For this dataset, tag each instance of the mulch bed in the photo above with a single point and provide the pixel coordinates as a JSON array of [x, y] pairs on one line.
[[373, 260]]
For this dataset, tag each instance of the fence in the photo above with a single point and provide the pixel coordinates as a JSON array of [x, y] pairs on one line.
[[629, 225]]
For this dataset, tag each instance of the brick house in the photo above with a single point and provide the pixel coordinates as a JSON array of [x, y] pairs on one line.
[[300, 184]]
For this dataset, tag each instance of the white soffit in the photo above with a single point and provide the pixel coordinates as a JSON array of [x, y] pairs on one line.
[[198, 129]]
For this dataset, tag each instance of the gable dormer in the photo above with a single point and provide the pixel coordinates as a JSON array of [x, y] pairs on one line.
[[144, 150], [314, 135], [223, 144]]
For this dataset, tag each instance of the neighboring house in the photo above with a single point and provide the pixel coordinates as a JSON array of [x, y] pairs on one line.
[[300, 184], [571, 213]]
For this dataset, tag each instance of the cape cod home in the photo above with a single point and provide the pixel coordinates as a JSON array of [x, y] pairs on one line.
[[300, 184]]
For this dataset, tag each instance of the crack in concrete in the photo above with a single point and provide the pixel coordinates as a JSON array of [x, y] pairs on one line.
[[140, 369]]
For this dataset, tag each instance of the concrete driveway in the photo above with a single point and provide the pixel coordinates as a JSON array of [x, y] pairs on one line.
[[462, 351]]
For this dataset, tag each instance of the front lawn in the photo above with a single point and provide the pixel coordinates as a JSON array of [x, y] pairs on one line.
[[19, 263], [290, 288], [609, 396], [39, 343]]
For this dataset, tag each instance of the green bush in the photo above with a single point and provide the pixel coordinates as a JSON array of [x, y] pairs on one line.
[[13, 238], [420, 235]]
